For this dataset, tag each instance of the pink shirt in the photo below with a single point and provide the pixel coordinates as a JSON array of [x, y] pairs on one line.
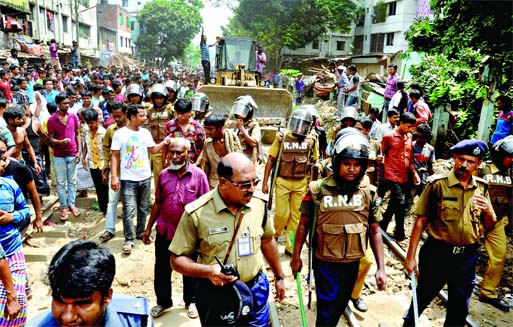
[[422, 112], [173, 193], [61, 131]]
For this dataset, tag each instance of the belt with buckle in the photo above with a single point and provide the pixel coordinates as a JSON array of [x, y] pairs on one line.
[[456, 249], [250, 283]]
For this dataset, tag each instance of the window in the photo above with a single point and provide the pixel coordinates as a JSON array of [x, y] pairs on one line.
[[85, 3], [128, 21], [390, 39], [121, 19], [392, 6], [121, 41], [341, 45], [358, 44], [360, 20], [65, 20], [376, 43], [84, 31], [132, 25], [124, 3], [315, 44]]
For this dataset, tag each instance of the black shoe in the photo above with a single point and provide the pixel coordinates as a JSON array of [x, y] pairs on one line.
[[360, 305], [498, 303]]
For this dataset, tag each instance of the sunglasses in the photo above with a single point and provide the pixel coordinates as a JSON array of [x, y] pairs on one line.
[[244, 186]]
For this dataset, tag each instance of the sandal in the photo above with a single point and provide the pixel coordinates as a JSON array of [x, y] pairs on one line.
[[127, 248], [158, 310], [106, 236], [191, 311], [64, 214], [74, 211]]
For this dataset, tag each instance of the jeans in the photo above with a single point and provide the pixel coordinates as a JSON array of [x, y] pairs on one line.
[[74, 61], [66, 180], [162, 282], [112, 210], [351, 100], [135, 194], [341, 102]]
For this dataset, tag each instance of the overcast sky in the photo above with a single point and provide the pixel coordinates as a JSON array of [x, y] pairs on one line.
[[213, 19]]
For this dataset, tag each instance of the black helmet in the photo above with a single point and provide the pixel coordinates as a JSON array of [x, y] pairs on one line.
[[244, 106], [350, 143], [300, 122], [500, 149], [200, 102]]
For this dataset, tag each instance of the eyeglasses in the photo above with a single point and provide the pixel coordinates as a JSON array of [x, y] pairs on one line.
[[244, 186]]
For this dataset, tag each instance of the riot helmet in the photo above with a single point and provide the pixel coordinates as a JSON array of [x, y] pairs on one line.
[[158, 90], [350, 143], [349, 116], [172, 86], [300, 122], [244, 106], [134, 90], [311, 109], [501, 149], [200, 102]]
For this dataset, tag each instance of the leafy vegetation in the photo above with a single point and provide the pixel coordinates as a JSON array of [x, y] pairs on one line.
[[167, 28], [455, 41], [283, 23]]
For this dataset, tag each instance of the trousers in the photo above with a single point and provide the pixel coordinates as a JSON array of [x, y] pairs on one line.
[[495, 244]]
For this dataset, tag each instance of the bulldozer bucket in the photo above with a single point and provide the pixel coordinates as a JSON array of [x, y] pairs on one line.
[[270, 102]]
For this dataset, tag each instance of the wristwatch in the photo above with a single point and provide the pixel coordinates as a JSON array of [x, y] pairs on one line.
[[279, 277]]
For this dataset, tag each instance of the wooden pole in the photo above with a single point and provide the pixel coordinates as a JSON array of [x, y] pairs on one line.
[[486, 116]]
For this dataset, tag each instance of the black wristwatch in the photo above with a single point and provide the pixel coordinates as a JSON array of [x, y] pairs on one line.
[[279, 277]]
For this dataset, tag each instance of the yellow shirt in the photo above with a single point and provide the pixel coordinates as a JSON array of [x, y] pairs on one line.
[[207, 226], [452, 215]]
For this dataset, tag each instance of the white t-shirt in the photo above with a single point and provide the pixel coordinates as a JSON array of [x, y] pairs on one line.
[[355, 79], [133, 151]]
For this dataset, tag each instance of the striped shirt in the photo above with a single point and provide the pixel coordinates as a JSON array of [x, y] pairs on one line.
[[195, 133], [390, 87], [13, 202]]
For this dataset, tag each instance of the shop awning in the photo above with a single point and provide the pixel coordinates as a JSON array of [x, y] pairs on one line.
[[20, 5]]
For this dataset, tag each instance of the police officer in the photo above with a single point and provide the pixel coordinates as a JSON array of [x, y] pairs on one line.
[[159, 113], [229, 222], [453, 209], [247, 128], [340, 213], [200, 107], [291, 153], [134, 94], [81, 275], [499, 176]]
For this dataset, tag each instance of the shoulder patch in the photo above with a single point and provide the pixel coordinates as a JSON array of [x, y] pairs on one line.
[[315, 187], [436, 177], [201, 201]]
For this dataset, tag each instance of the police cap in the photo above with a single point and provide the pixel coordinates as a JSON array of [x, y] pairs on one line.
[[470, 147], [235, 302]]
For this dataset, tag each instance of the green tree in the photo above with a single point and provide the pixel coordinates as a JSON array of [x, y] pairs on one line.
[[289, 23], [167, 28], [455, 40]]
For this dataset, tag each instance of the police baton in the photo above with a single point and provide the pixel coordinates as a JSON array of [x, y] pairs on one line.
[[415, 304], [299, 290]]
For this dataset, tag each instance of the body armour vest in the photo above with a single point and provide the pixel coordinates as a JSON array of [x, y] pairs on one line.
[[500, 185], [342, 224], [157, 119], [294, 157]]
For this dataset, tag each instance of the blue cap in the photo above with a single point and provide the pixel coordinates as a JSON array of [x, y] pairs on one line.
[[235, 302], [470, 147]]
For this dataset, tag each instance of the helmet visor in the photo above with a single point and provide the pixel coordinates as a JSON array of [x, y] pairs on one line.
[[352, 145], [299, 126], [240, 109], [199, 104]]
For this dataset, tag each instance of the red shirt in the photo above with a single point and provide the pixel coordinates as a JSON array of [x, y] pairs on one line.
[[173, 193], [398, 152], [5, 87]]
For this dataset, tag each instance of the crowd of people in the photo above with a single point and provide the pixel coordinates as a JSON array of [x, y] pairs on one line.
[[124, 130]]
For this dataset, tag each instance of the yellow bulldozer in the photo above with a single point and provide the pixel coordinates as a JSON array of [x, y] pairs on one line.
[[235, 75]]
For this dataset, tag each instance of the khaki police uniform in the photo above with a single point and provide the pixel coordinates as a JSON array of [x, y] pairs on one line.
[[495, 240], [291, 180], [253, 129], [206, 229], [449, 255], [156, 123]]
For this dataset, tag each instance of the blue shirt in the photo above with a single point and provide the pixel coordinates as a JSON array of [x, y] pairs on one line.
[[13, 202], [122, 311], [204, 52], [30, 90], [50, 97]]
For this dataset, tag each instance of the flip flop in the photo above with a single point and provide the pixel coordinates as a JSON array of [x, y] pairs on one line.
[[106, 236], [64, 215], [75, 211]]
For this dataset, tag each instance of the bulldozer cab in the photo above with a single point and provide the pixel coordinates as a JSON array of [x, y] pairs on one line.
[[236, 51]]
